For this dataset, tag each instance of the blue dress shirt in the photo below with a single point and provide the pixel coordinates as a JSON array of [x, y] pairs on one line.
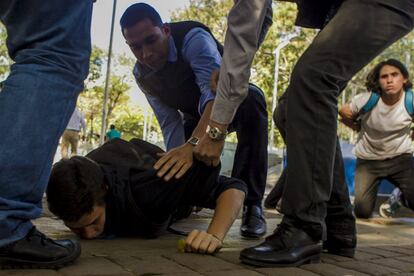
[[200, 51]]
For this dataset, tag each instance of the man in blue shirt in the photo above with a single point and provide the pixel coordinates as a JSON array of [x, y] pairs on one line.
[[112, 133], [174, 66]]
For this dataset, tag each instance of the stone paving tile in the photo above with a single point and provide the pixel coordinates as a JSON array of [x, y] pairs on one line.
[[91, 266], [369, 268], [285, 271], [326, 258], [359, 256], [238, 272], [231, 255], [332, 270], [409, 259], [381, 251], [398, 264], [202, 263], [150, 264], [402, 250], [29, 272]]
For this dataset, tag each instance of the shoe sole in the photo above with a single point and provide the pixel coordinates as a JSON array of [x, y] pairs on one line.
[[313, 259], [12, 263]]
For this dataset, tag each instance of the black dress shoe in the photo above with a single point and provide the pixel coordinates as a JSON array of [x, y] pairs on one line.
[[253, 222], [287, 246], [340, 236], [37, 251]]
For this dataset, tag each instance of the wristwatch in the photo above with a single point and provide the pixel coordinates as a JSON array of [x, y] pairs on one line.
[[193, 141], [215, 133]]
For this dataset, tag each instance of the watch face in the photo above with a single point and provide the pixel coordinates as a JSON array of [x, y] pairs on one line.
[[193, 141]]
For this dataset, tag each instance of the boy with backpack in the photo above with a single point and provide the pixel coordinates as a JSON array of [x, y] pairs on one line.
[[383, 118]]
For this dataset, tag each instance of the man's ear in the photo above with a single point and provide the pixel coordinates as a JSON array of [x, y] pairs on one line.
[[166, 29]]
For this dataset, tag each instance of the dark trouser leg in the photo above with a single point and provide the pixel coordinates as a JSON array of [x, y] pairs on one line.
[[279, 117], [402, 175], [339, 218], [367, 178], [250, 160], [326, 66]]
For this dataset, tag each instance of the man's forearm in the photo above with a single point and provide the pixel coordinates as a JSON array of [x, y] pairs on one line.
[[201, 127], [227, 209], [240, 45]]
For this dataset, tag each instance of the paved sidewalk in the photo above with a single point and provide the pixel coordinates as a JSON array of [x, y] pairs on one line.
[[385, 247]]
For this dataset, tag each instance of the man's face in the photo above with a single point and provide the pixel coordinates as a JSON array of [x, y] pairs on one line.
[[391, 80], [149, 43], [91, 225]]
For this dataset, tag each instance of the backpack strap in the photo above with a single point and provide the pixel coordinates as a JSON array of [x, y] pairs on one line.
[[370, 104], [408, 102]]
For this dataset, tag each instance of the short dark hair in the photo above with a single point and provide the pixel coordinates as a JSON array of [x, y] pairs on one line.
[[138, 12], [112, 126], [75, 186], [372, 81]]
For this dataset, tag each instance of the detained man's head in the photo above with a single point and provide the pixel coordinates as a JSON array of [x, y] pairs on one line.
[[76, 194], [146, 35]]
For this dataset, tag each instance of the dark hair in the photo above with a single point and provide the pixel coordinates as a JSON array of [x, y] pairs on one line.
[[138, 12], [112, 126], [75, 186], [372, 81]]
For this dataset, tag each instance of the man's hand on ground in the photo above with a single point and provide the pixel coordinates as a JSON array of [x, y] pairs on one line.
[[202, 242], [175, 163], [209, 151]]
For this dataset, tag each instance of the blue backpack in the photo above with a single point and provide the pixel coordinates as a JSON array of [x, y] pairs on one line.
[[375, 96]]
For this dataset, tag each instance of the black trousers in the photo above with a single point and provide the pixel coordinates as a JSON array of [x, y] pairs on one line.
[[250, 160], [339, 218], [358, 32], [398, 170]]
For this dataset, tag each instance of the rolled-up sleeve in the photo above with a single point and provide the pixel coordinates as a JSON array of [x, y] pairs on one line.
[[248, 21]]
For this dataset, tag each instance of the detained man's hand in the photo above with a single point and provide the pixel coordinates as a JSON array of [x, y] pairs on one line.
[[209, 151], [202, 242], [175, 163]]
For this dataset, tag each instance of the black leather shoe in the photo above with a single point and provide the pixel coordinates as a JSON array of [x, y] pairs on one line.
[[287, 246], [342, 246], [340, 236], [253, 222], [37, 251]]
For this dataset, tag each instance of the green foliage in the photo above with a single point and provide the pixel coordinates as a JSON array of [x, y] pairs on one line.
[[5, 60]]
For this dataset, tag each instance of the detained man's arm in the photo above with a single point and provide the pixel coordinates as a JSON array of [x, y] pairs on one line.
[[227, 209], [347, 117], [240, 45]]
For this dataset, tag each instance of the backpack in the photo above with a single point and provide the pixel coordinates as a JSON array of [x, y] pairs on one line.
[[375, 96]]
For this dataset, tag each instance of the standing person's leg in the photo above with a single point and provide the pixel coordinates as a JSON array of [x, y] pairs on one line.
[[74, 140], [367, 178], [279, 117], [325, 67], [51, 49], [64, 147], [340, 222], [401, 172], [250, 160]]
